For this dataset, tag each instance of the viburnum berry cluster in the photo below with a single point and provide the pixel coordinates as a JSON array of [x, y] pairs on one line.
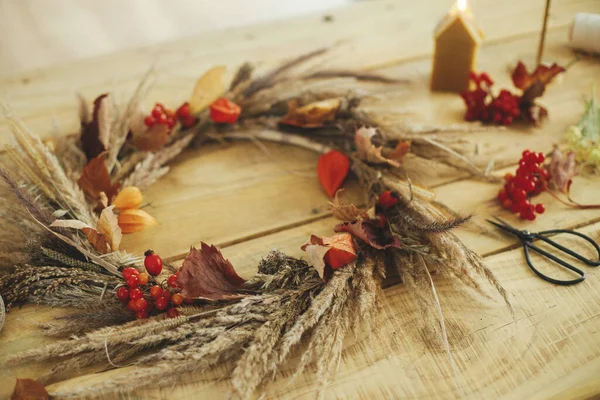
[[529, 180], [144, 295], [507, 107], [483, 106], [160, 115]]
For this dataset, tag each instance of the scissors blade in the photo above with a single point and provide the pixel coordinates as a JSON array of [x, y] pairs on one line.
[[505, 226]]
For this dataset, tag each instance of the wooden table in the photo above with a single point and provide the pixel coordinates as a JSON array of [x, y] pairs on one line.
[[248, 203]]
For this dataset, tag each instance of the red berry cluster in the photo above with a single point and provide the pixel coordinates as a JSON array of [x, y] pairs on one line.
[[141, 295], [483, 106], [529, 180], [164, 116], [160, 116]]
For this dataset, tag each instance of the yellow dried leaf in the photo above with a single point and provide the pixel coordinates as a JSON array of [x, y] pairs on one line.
[[108, 225], [135, 220], [128, 197], [311, 115], [208, 88]]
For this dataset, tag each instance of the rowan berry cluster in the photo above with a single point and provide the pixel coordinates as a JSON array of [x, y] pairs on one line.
[[529, 180]]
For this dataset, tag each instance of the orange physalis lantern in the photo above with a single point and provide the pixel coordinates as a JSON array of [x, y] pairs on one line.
[[224, 111]]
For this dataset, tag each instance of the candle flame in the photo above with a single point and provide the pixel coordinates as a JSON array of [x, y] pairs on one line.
[[461, 5]]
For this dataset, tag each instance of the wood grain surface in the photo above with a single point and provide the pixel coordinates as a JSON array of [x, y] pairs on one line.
[[249, 202]]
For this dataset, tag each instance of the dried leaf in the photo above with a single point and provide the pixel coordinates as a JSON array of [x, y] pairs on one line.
[[332, 169], [401, 149], [326, 254], [135, 220], [345, 212], [367, 150], [313, 115], [369, 232], [147, 138], [69, 223], [208, 88], [97, 240], [562, 169], [95, 178], [542, 74], [205, 274], [108, 226], [28, 389], [128, 197], [95, 134], [105, 238], [316, 258]]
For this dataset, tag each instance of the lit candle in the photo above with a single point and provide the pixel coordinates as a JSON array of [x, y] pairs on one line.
[[457, 39]]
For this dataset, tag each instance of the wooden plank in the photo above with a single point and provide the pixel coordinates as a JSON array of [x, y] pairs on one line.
[[364, 34]]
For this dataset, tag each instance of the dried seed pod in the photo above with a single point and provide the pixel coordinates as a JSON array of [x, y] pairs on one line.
[[135, 220], [128, 197]]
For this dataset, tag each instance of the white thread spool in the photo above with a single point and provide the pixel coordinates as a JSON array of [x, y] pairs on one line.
[[585, 32]]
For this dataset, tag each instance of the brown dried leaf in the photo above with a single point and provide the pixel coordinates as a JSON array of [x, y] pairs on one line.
[[28, 389], [562, 169], [205, 274], [313, 115], [345, 212], [369, 232], [96, 239], [367, 150], [542, 73], [145, 138], [95, 133], [95, 178], [208, 88]]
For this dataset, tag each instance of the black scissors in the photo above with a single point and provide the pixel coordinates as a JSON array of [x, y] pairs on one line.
[[527, 239]]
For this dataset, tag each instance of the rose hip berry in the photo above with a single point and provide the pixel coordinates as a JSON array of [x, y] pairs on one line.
[[153, 263]]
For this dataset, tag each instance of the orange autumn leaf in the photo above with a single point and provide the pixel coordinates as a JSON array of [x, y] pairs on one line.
[[135, 220], [95, 178], [332, 169], [312, 115], [326, 254], [28, 389], [208, 88], [542, 73]]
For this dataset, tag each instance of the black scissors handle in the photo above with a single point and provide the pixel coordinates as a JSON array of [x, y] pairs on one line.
[[542, 236]]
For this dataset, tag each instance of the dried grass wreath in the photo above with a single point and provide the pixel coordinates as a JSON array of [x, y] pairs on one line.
[[75, 197]]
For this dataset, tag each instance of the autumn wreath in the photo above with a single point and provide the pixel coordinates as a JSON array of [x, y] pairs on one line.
[[74, 198]]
